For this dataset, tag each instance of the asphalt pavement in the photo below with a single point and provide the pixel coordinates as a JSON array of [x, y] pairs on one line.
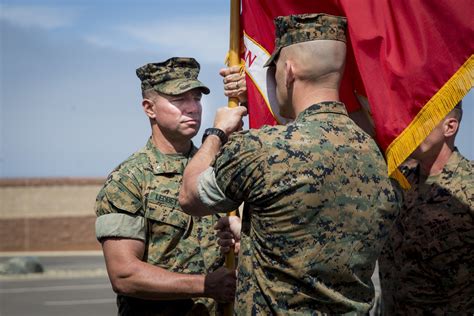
[[71, 284]]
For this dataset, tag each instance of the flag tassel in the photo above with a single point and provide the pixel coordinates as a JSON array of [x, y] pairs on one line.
[[429, 116]]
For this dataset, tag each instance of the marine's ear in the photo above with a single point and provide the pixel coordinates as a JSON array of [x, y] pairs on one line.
[[148, 108], [450, 126]]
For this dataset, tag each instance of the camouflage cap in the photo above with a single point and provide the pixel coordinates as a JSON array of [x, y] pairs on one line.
[[173, 76], [293, 29]]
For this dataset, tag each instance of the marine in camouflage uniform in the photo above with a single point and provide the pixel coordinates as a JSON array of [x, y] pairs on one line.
[[427, 265], [139, 201], [319, 204]]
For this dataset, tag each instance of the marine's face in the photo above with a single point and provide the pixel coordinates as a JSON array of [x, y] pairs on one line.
[[179, 115]]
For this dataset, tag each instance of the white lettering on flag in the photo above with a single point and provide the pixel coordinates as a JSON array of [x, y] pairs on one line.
[[255, 57]]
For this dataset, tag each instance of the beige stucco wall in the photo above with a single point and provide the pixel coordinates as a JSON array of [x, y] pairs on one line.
[[47, 201], [48, 214]]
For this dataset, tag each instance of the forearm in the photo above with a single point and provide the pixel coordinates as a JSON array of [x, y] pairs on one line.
[[131, 276], [146, 281], [189, 196]]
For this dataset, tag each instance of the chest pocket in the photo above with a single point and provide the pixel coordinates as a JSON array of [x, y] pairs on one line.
[[168, 226], [166, 209]]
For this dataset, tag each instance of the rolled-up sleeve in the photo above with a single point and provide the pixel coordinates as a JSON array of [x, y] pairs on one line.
[[119, 209], [120, 225], [237, 175], [211, 195]]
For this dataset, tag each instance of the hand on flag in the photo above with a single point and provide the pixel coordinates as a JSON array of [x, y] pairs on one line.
[[220, 285], [229, 120], [234, 83], [228, 231]]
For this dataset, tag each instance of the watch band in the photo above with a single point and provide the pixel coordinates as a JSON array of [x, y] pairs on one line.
[[215, 131]]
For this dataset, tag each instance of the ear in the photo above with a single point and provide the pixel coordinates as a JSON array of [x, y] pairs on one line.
[[450, 127], [148, 105], [289, 74]]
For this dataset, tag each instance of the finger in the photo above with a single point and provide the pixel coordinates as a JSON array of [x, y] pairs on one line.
[[223, 222], [230, 86], [226, 242], [224, 72], [233, 77], [229, 70], [243, 112], [225, 249], [235, 85], [242, 83], [225, 234], [234, 69], [233, 93]]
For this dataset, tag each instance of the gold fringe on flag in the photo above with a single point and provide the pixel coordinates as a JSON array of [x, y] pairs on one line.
[[426, 120]]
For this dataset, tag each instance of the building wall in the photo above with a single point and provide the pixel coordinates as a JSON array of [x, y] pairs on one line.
[[48, 214]]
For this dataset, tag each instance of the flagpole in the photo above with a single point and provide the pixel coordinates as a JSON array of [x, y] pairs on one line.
[[233, 60], [234, 42]]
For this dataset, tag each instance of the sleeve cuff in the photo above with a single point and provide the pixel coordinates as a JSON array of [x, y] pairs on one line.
[[211, 195], [120, 225]]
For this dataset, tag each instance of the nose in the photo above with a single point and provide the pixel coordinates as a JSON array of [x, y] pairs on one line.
[[192, 105]]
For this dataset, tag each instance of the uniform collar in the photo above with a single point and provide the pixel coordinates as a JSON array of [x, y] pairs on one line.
[[167, 163], [323, 107], [449, 169], [437, 187]]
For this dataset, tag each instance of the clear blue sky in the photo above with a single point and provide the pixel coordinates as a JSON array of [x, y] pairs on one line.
[[70, 100]]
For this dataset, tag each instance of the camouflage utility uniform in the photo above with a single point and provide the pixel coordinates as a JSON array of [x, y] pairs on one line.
[[427, 266], [319, 207], [140, 201]]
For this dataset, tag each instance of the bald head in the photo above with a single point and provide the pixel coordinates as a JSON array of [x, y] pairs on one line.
[[317, 62]]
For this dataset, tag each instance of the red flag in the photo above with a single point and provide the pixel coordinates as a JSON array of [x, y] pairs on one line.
[[259, 36], [412, 59], [416, 60]]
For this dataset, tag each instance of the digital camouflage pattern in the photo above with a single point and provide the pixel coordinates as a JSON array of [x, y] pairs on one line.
[[427, 265], [147, 185], [299, 28], [319, 206], [173, 76]]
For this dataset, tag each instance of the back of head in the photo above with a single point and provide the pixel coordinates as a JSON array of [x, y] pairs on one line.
[[315, 43], [317, 61]]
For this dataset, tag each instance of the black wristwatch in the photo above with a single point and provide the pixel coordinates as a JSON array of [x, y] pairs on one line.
[[215, 131]]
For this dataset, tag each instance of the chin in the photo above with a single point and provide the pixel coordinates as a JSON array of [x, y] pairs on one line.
[[192, 133]]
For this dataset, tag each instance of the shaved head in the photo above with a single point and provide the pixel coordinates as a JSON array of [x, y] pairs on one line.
[[307, 73], [320, 61]]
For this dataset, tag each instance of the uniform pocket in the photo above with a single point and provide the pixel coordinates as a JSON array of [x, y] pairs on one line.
[[168, 228], [168, 214], [120, 197]]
